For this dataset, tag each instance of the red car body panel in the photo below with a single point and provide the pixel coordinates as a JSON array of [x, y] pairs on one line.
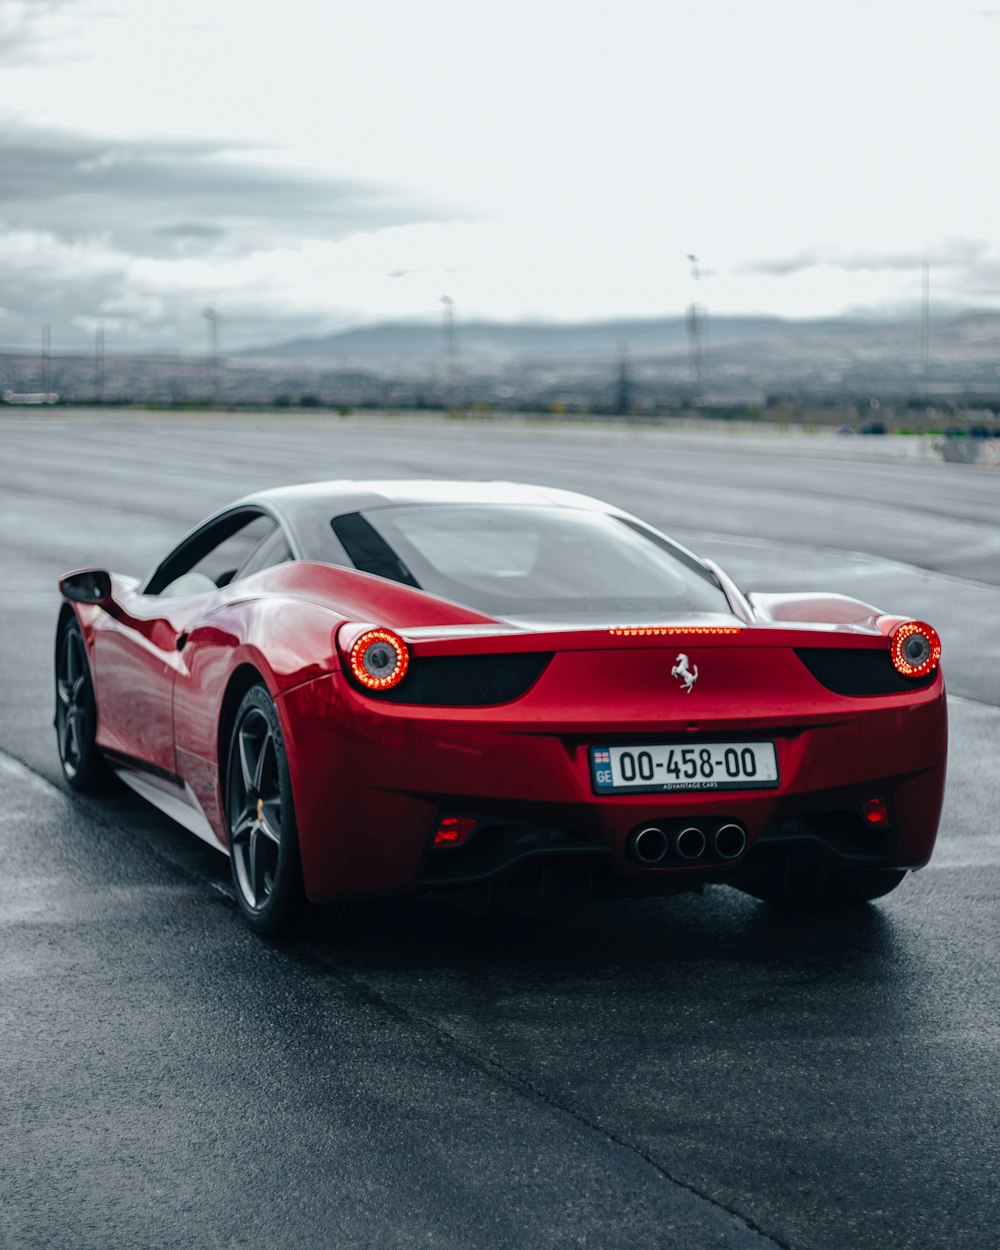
[[373, 778], [530, 760]]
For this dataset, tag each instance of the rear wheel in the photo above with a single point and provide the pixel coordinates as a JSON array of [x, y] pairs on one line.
[[83, 765], [263, 842]]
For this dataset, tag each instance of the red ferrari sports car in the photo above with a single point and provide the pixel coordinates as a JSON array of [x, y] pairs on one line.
[[360, 689]]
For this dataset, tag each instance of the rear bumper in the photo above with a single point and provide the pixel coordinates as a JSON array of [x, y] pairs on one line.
[[372, 781]]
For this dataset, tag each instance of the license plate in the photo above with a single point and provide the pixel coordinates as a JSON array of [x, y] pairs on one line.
[[673, 766]]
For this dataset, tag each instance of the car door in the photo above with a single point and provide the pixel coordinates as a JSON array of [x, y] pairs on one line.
[[136, 651]]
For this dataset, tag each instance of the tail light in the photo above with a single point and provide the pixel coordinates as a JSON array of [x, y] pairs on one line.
[[379, 659], [916, 649]]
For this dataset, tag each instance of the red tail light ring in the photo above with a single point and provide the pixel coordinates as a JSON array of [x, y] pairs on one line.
[[379, 659], [916, 649]]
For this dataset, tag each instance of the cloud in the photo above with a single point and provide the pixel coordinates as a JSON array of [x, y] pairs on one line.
[[30, 30], [951, 253], [142, 303], [984, 279], [191, 230], [156, 197], [137, 231]]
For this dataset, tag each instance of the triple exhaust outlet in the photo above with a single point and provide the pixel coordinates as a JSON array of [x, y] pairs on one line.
[[651, 845]]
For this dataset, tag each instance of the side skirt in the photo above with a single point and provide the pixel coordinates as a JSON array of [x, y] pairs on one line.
[[166, 796]]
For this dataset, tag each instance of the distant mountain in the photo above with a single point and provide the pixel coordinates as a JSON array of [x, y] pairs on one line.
[[545, 339]]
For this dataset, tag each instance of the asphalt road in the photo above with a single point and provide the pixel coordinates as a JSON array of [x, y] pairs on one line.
[[697, 1072]]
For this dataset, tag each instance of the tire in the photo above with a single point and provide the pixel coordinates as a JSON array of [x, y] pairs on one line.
[[840, 888], [263, 840], [83, 766]]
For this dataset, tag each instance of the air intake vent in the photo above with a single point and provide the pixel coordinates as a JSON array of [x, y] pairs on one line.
[[857, 673], [467, 680]]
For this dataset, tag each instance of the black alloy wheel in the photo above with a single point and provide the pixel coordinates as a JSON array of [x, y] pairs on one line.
[[263, 843], [83, 765]]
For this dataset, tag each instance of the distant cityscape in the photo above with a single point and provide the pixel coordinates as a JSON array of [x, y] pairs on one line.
[[842, 371]]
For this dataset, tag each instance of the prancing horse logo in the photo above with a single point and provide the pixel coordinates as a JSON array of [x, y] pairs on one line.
[[687, 676]]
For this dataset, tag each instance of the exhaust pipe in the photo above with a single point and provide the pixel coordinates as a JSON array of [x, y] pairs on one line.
[[691, 843], [648, 846], [729, 841]]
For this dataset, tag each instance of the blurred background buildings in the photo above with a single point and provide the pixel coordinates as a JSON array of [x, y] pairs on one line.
[[839, 370]]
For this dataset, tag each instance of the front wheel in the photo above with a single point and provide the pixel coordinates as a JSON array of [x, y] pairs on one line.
[[263, 842]]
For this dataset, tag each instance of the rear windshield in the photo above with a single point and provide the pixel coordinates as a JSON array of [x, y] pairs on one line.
[[521, 560]]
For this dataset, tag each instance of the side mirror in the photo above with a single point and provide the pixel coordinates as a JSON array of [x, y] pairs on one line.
[[91, 586]]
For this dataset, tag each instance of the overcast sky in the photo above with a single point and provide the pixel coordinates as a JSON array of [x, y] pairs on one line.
[[308, 165]]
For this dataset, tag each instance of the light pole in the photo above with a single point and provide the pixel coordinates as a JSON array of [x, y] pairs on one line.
[[696, 316], [925, 321], [99, 364], [448, 327], [623, 395], [46, 357], [212, 317]]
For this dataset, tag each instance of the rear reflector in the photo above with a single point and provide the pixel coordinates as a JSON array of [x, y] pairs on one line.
[[454, 830], [875, 812]]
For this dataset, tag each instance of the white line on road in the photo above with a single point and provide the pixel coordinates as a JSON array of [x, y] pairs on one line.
[[12, 767]]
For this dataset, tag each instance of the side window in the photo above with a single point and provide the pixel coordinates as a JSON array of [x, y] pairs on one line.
[[272, 550], [221, 563], [210, 558]]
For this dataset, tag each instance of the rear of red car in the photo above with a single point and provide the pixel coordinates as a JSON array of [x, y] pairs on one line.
[[784, 758]]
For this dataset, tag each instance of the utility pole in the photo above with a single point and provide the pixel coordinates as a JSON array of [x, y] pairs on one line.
[[99, 364], [696, 317], [925, 322], [46, 357], [623, 397], [448, 328], [212, 317]]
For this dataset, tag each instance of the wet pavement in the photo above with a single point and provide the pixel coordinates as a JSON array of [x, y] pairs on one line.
[[691, 1072]]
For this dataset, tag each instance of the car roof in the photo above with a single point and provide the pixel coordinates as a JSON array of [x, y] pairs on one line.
[[347, 495]]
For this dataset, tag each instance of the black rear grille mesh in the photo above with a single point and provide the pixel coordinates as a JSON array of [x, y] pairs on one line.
[[856, 672], [467, 680]]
